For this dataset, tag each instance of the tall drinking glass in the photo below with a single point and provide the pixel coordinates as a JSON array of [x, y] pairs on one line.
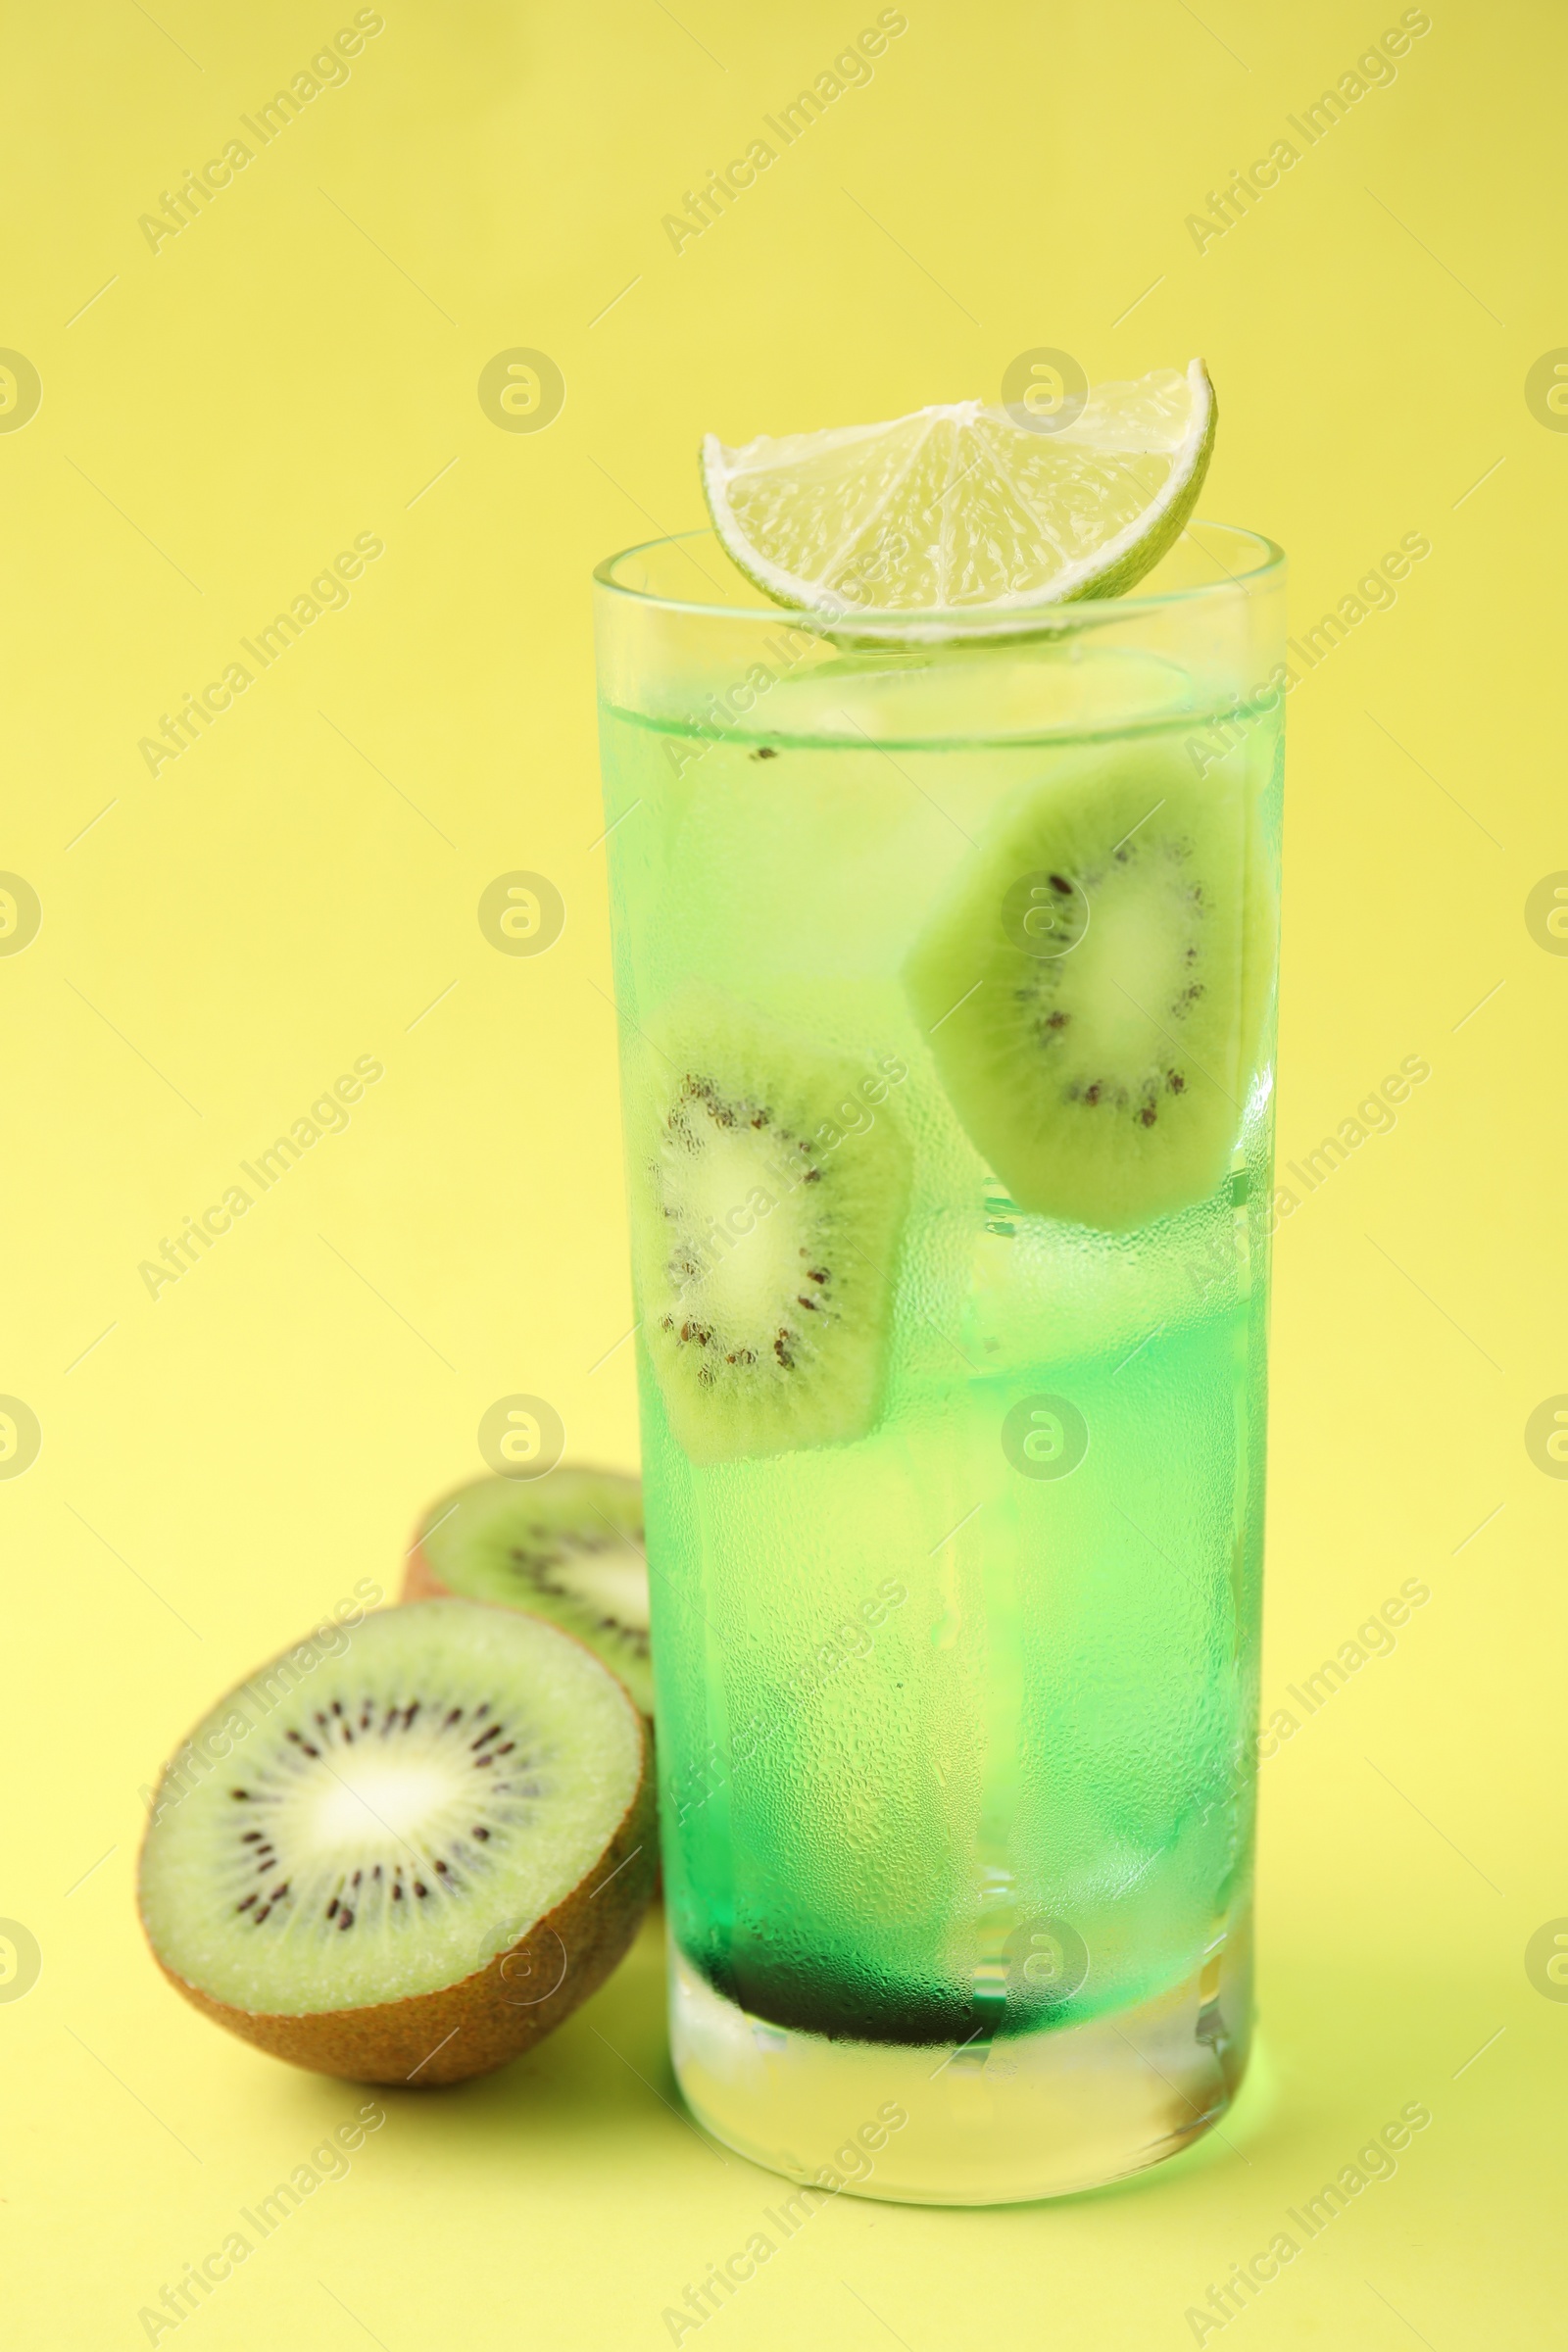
[[945, 966]]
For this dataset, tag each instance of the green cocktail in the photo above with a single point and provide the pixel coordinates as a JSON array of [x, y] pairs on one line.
[[946, 972]]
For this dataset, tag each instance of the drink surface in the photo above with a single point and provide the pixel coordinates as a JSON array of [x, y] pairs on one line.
[[954, 1713]]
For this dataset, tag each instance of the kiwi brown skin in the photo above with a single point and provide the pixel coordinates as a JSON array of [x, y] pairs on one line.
[[478, 2024], [420, 1580]]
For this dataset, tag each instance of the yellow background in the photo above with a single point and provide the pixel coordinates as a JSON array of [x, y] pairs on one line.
[[221, 1464]]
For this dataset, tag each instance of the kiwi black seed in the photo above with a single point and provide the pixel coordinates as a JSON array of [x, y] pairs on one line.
[[770, 1177], [567, 1546], [1094, 983], [406, 1856]]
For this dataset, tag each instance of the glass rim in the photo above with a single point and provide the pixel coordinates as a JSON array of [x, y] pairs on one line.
[[947, 621]]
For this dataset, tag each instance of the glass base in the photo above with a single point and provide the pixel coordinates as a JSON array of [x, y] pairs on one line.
[[1035, 2115]]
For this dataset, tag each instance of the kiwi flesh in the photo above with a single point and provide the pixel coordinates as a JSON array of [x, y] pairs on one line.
[[407, 1859], [1093, 986], [567, 1546], [768, 1185]]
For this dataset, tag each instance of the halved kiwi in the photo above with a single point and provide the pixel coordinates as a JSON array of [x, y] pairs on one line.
[[768, 1184], [1093, 986], [408, 1858], [567, 1546]]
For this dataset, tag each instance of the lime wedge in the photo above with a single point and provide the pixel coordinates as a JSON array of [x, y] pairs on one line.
[[966, 506]]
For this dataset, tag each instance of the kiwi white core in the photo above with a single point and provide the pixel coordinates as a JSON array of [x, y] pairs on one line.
[[615, 1583], [386, 1821], [1126, 970], [726, 1181]]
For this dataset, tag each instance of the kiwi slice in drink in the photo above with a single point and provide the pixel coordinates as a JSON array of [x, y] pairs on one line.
[[407, 1858], [567, 1546], [1093, 986], [768, 1184]]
